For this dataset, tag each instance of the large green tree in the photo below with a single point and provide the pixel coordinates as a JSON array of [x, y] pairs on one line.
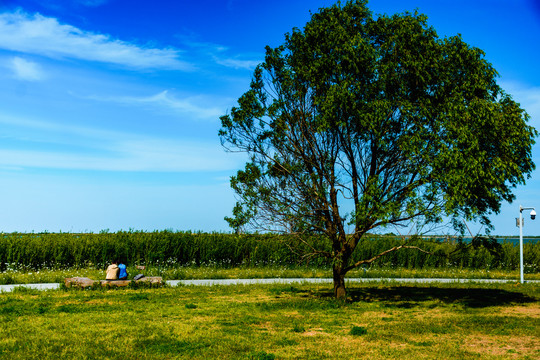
[[360, 121]]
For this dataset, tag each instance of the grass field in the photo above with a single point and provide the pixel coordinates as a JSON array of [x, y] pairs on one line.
[[378, 321]]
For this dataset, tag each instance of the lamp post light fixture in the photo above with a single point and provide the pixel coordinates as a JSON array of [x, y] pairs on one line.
[[533, 216]]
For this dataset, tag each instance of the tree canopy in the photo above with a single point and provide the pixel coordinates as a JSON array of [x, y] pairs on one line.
[[360, 121]]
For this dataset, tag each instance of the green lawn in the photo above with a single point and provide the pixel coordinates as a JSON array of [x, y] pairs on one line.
[[379, 321]]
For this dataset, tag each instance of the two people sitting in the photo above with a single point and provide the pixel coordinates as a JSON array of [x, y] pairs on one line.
[[116, 271]]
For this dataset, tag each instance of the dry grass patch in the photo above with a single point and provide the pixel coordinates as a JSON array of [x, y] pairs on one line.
[[99, 302], [505, 346], [531, 311], [315, 332]]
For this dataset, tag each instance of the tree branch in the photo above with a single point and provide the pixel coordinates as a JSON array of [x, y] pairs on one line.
[[395, 248]]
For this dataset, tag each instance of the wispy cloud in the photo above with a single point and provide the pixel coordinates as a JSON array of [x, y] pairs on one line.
[[237, 63], [196, 106], [26, 70], [109, 151], [148, 155], [45, 36], [187, 105], [219, 54]]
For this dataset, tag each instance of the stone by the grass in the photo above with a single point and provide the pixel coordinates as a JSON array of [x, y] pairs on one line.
[[78, 282], [87, 282]]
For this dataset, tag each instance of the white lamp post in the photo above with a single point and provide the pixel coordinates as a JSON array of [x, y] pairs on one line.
[[533, 216]]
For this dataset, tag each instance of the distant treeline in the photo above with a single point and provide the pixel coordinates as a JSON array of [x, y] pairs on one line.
[[173, 249]]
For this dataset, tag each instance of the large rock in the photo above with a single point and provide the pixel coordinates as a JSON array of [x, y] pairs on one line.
[[84, 282], [78, 282]]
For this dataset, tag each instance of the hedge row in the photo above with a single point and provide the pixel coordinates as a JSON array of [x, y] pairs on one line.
[[171, 249], [167, 248]]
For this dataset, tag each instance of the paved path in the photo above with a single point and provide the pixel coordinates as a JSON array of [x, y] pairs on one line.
[[329, 280], [210, 282], [48, 286]]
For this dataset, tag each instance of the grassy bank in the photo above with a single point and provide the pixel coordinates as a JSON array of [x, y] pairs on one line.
[[467, 321], [262, 272]]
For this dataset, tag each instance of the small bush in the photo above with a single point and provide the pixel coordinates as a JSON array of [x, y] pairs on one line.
[[139, 297], [262, 355], [358, 331]]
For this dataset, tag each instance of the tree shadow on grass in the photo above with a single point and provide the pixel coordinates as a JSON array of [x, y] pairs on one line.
[[413, 296]]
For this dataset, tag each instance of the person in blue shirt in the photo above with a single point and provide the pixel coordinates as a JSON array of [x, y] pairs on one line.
[[122, 273]]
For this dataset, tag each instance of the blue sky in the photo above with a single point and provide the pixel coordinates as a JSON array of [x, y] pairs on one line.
[[109, 109]]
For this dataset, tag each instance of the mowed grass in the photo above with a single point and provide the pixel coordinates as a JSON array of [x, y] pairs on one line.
[[302, 321]]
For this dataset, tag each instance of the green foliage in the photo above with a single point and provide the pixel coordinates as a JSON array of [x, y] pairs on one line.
[[449, 253], [358, 330], [161, 248], [262, 355], [170, 253], [140, 296], [298, 328]]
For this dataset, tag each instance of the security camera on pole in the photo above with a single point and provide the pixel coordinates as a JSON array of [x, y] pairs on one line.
[[520, 224]]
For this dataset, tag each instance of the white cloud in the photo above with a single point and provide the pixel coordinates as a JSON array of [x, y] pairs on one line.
[[37, 34], [187, 105], [26, 70], [148, 155], [237, 64], [218, 54], [102, 150], [196, 106], [14, 126]]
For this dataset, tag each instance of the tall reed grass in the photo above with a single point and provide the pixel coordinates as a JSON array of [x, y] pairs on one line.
[[34, 251]]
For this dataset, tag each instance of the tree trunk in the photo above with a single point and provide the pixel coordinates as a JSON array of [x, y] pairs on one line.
[[339, 283]]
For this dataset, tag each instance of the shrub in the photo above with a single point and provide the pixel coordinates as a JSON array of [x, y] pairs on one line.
[[358, 330]]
